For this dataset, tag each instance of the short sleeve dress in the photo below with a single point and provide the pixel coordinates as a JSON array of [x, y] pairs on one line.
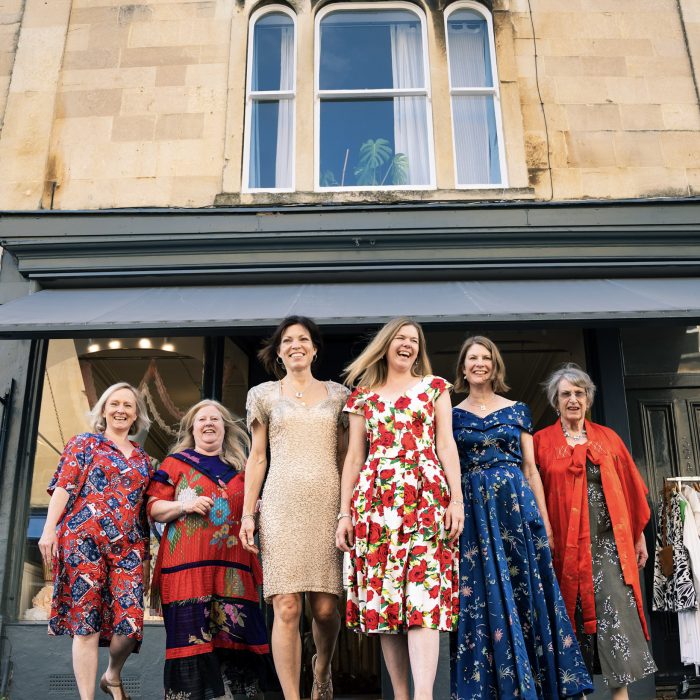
[[301, 496], [403, 570], [102, 540]]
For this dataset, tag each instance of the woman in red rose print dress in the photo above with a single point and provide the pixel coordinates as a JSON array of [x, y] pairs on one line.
[[96, 535], [397, 519]]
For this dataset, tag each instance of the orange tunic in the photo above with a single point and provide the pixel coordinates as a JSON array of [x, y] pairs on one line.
[[563, 472]]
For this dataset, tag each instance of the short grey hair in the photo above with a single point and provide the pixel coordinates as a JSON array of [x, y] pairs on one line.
[[572, 373], [97, 422]]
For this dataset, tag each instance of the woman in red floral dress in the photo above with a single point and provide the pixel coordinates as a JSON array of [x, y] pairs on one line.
[[96, 534], [397, 518]]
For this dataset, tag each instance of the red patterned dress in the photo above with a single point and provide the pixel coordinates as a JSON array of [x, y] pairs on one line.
[[102, 539], [403, 570], [208, 585]]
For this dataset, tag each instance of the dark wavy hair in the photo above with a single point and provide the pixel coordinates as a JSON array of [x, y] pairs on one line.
[[268, 352]]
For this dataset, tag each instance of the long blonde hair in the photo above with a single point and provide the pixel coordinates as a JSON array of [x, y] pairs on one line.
[[236, 440], [97, 421], [369, 369]]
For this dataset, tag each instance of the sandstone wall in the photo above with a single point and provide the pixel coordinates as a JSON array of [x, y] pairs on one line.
[[108, 104]]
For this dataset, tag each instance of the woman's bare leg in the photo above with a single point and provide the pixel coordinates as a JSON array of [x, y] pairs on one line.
[[286, 642]]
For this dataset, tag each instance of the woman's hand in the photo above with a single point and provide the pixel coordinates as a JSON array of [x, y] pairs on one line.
[[454, 519], [640, 549], [199, 506], [146, 574], [345, 534], [247, 535], [550, 537], [48, 545]]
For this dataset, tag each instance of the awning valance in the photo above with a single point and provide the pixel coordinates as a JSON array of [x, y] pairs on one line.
[[66, 312]]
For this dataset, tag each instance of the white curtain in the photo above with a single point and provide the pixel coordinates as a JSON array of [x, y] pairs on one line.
[[410, 113], [474, 125], [285, 115]]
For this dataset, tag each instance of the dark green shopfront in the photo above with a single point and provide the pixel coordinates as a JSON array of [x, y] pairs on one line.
[[178, 301]]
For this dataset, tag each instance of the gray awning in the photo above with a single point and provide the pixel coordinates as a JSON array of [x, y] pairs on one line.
[[66, 312]]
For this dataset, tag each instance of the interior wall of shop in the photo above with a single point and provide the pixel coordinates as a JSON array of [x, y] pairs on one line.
[[596, 348]]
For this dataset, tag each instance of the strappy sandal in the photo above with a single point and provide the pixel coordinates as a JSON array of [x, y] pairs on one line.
[[321, 690], [105, 687]]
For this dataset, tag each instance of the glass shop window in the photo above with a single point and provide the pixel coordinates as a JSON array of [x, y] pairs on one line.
[[168, 371]]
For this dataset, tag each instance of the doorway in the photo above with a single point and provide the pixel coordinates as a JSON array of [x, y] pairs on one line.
[[662, 380]]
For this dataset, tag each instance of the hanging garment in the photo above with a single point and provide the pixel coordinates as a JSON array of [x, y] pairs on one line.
[[675, 592], [689, 620]]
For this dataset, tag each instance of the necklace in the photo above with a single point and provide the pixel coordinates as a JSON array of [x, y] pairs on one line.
[[569, 436], [300, 394], [481, 406]]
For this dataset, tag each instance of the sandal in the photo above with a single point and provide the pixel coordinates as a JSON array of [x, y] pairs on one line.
[[321, 690], [105, 687]]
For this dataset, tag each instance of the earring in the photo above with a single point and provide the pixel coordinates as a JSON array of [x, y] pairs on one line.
[[279, 361], [315, 358], [558, 412]]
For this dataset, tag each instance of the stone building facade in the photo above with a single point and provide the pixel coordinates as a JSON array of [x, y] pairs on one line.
[[177, 175]]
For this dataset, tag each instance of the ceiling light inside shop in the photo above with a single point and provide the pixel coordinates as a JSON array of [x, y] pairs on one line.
[[167, 346], [93, 347], [145, 343], [114, 344]]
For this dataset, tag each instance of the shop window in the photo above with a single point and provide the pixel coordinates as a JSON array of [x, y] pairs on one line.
[[372, 98], [169, 372], [476, 127], [269, 143]]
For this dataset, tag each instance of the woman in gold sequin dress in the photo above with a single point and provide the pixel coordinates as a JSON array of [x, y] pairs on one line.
[[302, 420]]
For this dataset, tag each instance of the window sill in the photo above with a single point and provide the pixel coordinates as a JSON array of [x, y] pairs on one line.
[[229, 199]]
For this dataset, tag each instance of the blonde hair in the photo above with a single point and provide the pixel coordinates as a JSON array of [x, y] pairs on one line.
[[98, 424], [369, 369], [236, 440], [498, 380]]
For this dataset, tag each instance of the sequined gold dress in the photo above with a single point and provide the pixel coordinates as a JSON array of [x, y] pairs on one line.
[[301, 496]]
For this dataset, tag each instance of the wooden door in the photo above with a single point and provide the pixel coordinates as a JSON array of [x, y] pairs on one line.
[[664, 417]]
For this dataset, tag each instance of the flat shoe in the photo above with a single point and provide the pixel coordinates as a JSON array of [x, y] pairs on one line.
[[106, 686], [321, 690]]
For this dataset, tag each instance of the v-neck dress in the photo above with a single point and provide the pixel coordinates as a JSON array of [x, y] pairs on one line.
[[403, 569], [514, 637], [301, 496]]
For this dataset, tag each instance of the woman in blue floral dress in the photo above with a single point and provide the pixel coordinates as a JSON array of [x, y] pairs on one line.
[[514, 638]]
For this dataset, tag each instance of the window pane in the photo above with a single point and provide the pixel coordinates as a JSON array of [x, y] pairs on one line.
[[476, 140], [271, 138], [273, 53], [77, 372], [470, 58], [371, 50], [381, 142]]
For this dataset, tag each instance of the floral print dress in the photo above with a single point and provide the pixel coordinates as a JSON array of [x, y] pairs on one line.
[[514, 638], [208, 586], [102, 540], [403, 570]]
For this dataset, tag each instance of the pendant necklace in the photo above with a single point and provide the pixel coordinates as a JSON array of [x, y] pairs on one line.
[[300, 394], [481, 406]]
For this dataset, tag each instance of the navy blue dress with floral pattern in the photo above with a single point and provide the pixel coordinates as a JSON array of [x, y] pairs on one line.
[[514, 638]]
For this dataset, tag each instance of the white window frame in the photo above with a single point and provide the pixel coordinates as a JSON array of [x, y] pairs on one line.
[[393, 92], [267, 96], [487, 91]]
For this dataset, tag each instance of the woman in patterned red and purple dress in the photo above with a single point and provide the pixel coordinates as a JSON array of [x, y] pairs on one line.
[[207, 582], [96, 534], [401, 509]]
